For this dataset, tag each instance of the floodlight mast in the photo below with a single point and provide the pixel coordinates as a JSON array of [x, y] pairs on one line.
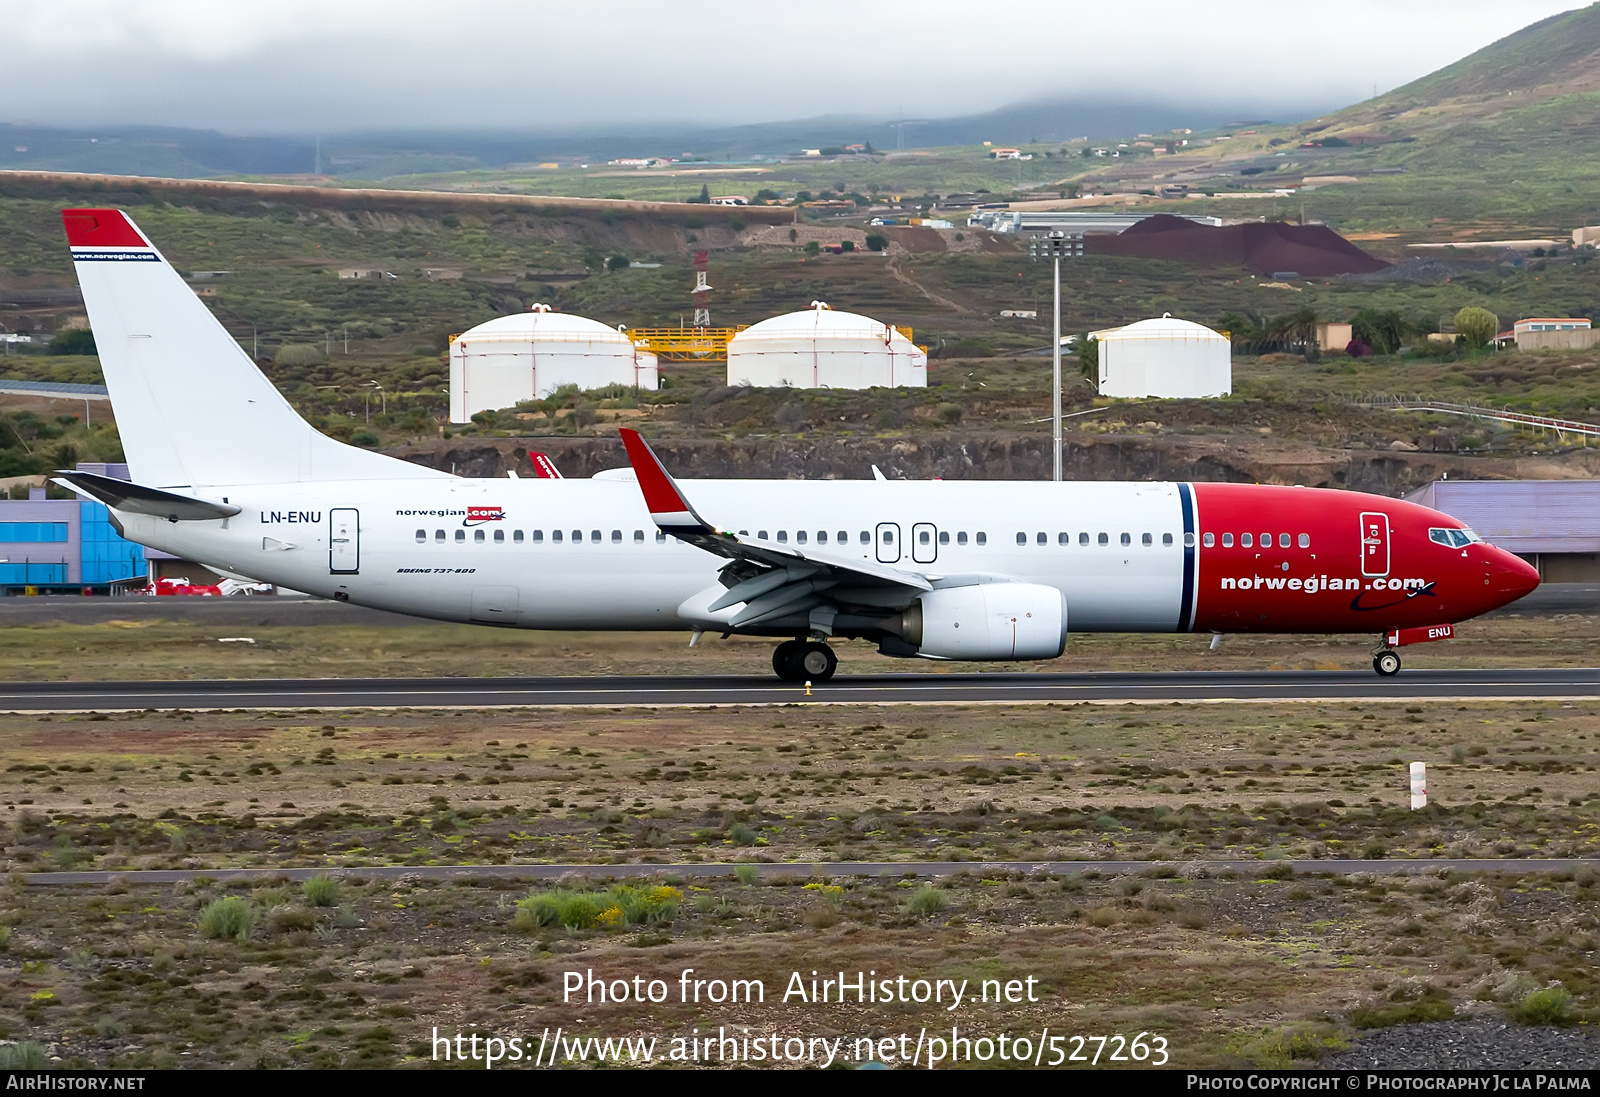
[[1055, 245]]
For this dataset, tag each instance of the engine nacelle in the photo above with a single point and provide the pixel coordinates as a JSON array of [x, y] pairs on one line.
[[988, 621]]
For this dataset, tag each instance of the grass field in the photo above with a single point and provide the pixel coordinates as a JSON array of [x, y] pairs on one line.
[[1265, 968], [159, 649]]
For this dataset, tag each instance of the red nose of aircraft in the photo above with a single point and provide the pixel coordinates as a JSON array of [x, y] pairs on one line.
[[1509, 577]]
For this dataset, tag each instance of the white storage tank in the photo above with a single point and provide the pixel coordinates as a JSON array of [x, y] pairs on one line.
[[821, 348], [1165, 357], [531, 354]]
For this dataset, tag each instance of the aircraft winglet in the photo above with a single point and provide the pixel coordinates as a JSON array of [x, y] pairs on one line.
[[669, 507]]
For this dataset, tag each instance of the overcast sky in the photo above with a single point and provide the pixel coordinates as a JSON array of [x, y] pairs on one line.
[[307, 66]]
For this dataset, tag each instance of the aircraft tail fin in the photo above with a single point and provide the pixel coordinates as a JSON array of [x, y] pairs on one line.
[[191, 407]]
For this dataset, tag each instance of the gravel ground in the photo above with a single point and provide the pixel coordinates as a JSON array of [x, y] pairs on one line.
[[1471, 1045]]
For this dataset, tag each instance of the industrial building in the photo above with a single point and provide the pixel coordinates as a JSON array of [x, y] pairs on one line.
[[66, 544], [1551, 333], [529, 355], [1165, 357], [1552, 524], [1072, 222], [822, 348]]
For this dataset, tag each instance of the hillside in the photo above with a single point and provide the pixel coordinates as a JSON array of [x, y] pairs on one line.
[[1555, 56]]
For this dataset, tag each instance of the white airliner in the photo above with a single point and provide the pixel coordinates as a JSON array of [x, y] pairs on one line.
[[226, 473]]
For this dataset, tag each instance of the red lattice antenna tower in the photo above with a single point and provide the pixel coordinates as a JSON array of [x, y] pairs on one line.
[[701, 294]]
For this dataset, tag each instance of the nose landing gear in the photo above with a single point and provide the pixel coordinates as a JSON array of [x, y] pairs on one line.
[[804, 661], [1386, 662]]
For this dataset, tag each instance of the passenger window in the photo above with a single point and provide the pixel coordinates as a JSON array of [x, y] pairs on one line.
[[616, 537], [744, 533], [1166, 539], [1266, 540], [499, 536], [1042, 538], [461, 535], [1126, 540], [1227, 540], [925, 537], [822, 537], [1283, 540], [577, 537], [555, 536], [477, 535], [888, 536], [1305, 540], [1063, 538], [1146, 539], [1209, 540], [1104, 539], [538, 536], [866, 538], [638, 536], [1083, 538], [1246, 541], [961, 538], [422, 535], [844, 537], [517, 536], [594, 536], [438, 535], [661, 536], [944, 537], [1022, 538], [799, 537], [783, 537], [762, 534], [983, 538], [1188, 540]]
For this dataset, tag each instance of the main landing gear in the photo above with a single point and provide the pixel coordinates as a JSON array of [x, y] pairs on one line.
[[1386, 662], [804, 661]]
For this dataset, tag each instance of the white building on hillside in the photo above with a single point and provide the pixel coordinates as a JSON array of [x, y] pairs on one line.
[[821, 348], [529, 355], [1165, 357]]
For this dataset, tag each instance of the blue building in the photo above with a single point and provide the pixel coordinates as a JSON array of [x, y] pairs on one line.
[[59, 545]]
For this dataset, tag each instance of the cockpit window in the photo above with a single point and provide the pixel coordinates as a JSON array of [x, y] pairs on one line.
[[1453, 538]]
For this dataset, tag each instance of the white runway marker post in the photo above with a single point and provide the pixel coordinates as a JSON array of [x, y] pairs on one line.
[[1419, 785]]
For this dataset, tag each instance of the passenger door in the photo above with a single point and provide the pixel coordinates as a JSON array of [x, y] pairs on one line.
[[1374, 543], [344, 541]]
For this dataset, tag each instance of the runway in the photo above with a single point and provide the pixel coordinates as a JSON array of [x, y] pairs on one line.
[[880, 689], [767, 871]]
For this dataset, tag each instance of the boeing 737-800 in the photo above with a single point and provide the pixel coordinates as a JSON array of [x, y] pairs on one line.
[[226, 473]]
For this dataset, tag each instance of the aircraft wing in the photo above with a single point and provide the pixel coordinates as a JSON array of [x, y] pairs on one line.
[[771, 581]]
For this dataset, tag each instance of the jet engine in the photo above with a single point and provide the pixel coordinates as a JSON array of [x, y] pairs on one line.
[[988, 621]]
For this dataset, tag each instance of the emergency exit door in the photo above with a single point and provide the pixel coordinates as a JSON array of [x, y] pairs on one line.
[[344, 541]]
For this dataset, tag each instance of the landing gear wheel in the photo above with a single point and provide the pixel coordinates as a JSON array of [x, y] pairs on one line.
[[818, 662], [1386, 663], [786, 661]]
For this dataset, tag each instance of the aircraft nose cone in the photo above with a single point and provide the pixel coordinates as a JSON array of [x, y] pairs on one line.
[[1513, 577]]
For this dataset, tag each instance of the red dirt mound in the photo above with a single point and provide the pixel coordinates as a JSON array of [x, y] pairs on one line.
[[1312, 251]]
